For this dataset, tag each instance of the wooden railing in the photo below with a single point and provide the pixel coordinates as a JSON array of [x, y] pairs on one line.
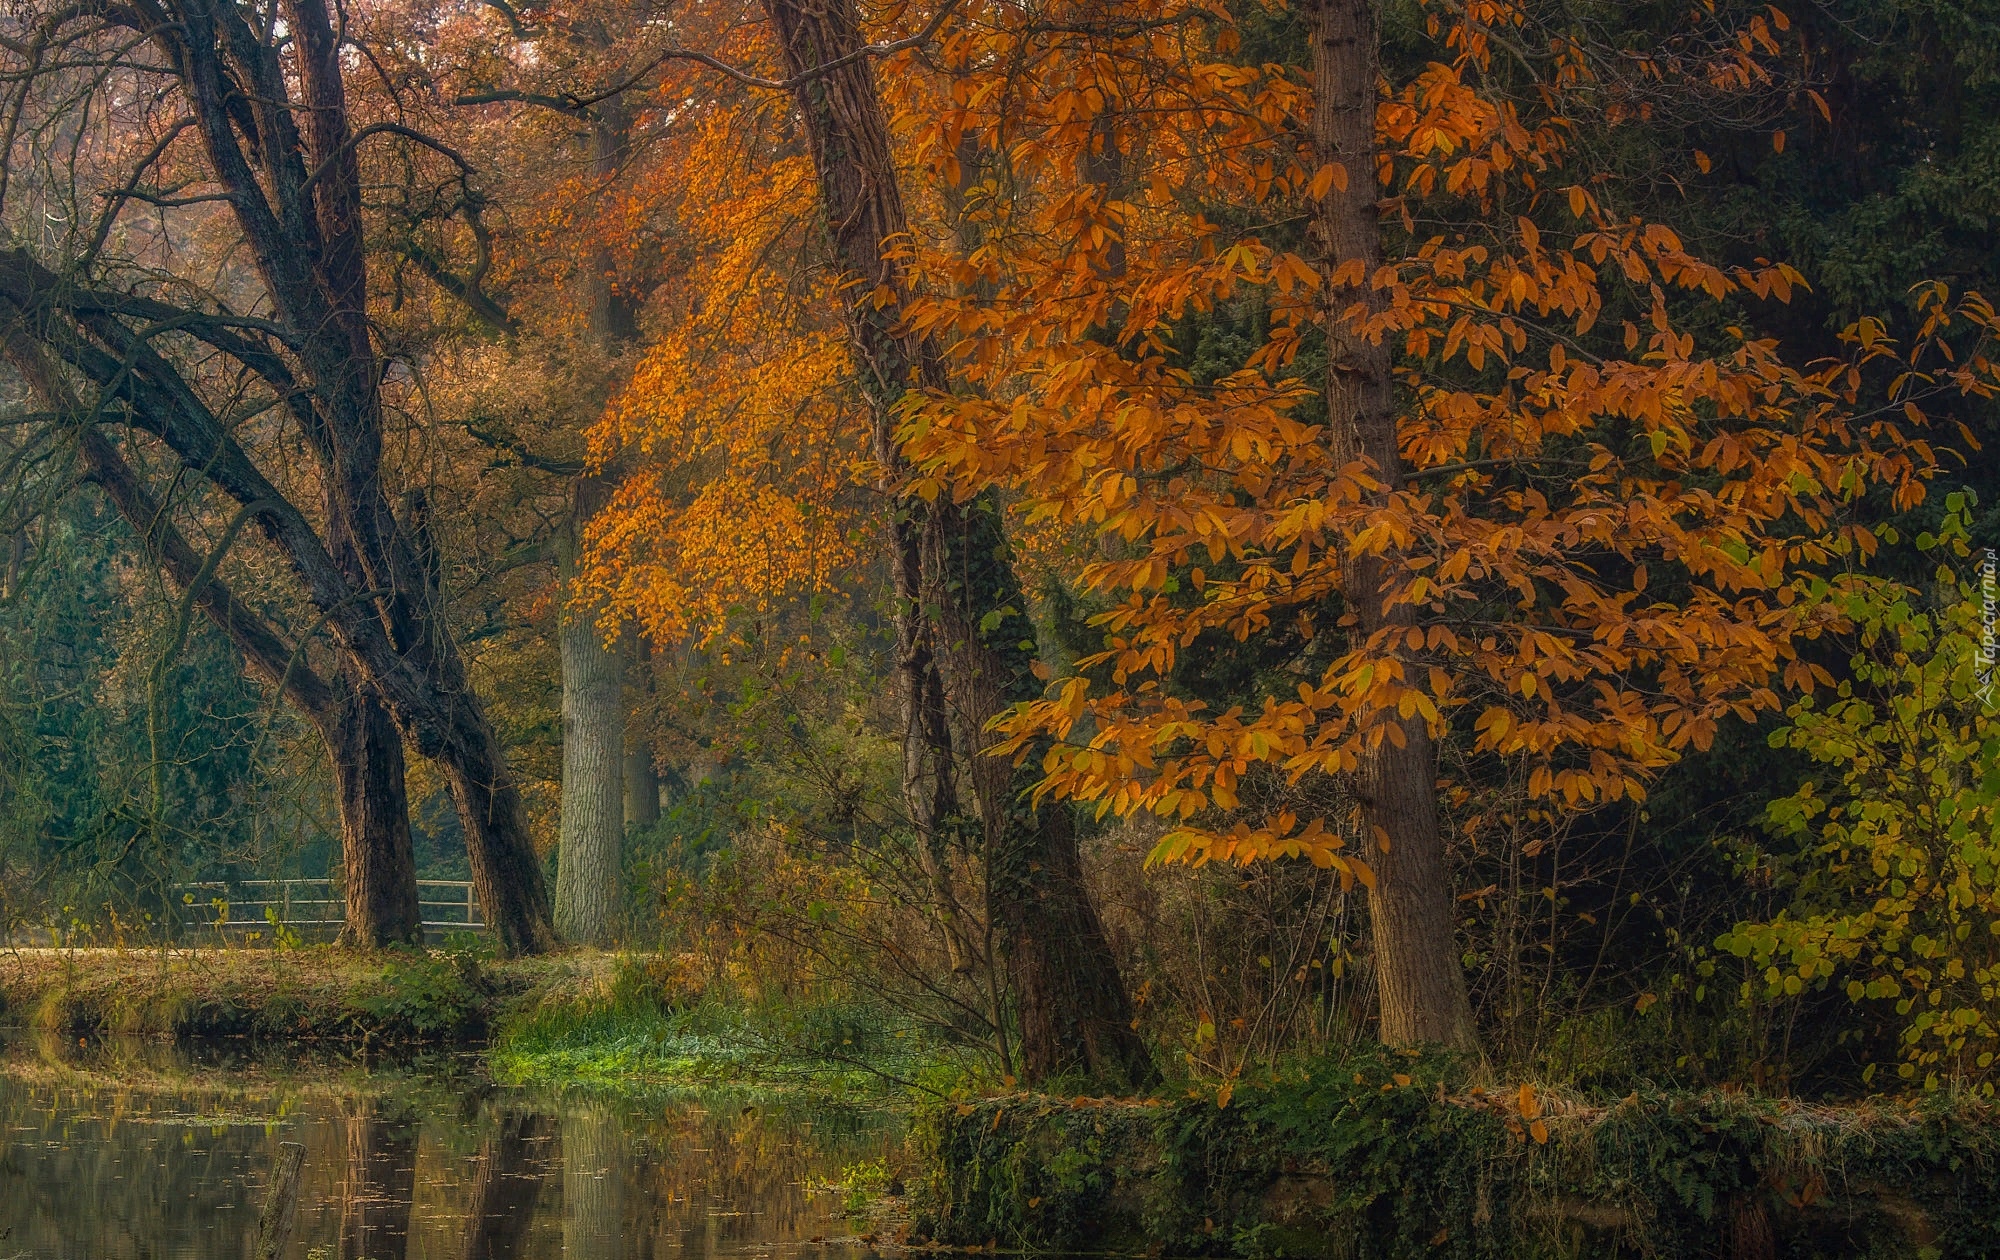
[[313, 907]]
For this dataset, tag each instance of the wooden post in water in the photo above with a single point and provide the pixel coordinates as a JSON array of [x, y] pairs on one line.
[[281, 1201]]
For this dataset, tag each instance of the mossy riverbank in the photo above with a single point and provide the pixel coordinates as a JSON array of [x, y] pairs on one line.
[[1382, 1156], [1379, 1163]]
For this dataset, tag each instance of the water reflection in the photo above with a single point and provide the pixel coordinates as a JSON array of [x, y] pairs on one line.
[[407, 1168]]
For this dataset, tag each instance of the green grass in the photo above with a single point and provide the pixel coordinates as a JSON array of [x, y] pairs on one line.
[[623, 1038]]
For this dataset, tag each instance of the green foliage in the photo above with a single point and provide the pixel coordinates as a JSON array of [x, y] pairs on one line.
[[862, 1184], [282, 935], [425, 997], [1382, 1157], [647, 1029], [102, 808], [1893, 870]]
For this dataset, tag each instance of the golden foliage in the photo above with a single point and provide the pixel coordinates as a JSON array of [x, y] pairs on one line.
[[1602, 536]]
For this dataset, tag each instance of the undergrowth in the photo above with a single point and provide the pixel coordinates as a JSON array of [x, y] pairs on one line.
[[634, 1033]]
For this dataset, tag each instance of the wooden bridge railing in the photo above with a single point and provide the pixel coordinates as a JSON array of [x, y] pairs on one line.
[[313, 907]]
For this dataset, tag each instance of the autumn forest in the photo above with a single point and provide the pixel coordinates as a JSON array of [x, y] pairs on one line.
[[1165, 552]]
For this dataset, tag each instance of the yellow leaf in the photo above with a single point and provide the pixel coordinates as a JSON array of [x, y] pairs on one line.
[[1539, 1131], [1531, 1106]]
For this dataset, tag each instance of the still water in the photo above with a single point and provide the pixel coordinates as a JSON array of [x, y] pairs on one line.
[[122, 1154]]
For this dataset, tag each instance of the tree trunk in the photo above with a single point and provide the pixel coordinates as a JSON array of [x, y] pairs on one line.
[[642, 776], [641, 780], [593, 824], [506, 873], [379, 870], [1418, 976], [593, 816], [307, 240], [1075, 1012]]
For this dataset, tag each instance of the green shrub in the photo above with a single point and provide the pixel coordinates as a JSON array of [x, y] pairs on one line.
[[423, 997], [1891, 868]]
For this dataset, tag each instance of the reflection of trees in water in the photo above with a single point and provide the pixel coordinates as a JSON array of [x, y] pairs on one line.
[[121, 1174], [511, 1164], [593, 1178], [65, 1148], [381, 1176], [703, 1182]]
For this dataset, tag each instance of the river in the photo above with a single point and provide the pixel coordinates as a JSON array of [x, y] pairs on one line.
[[145, 1152]]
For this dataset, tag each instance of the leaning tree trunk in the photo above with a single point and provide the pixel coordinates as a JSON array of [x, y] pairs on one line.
[[1075, 1012], [421, 677], [862, 204], [1418, 976]]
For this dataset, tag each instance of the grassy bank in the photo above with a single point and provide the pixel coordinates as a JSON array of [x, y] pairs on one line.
[[314, 994], [580, 1019], [1387, 1161], [631, 1034]]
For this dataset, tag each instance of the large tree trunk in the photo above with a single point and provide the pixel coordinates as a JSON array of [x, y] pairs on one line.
[[593, 720], [1422, 986], [593, 814], [378, 867], [1075, 1012]]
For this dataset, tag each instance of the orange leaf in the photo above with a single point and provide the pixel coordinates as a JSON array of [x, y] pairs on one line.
[[1531, 1106]]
